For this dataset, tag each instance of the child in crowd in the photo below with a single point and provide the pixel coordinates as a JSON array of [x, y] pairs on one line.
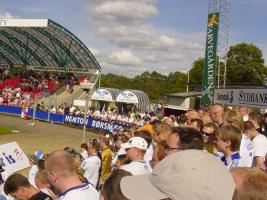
[[227, 140]]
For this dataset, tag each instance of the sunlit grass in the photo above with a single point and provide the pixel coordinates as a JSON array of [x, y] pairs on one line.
[[5, 131]]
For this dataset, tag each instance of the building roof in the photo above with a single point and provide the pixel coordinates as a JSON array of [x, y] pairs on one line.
[[184, 94], [44, 45]]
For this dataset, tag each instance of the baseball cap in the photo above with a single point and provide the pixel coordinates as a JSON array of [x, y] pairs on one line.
[[38, 155], [187, 174], [136, 142]]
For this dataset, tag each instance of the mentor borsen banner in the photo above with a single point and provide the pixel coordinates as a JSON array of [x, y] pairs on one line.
[[13, 157], [242, 97]]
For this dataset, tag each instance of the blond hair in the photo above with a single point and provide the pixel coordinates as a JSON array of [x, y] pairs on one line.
[[234, 118], [230, 133], [61, 162], [253, 186], [161, 128]]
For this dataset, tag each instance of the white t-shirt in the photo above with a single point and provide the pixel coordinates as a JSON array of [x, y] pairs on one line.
[[246, 152], [260, 146], [137, 167], [32, 173], [91, 166], [82, 192], [84, 154], [149, 156]]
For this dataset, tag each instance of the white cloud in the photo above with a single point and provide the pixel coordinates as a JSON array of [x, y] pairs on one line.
[[124, 58], [167, 41], [133, 41], [6, 15], [94, 51], [124, 11]]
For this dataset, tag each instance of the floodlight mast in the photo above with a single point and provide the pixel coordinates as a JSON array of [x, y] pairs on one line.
[[223, 7], [86, 87]]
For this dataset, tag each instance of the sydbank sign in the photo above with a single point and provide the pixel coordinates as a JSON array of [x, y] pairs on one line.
[[210, 59], [242, 97]]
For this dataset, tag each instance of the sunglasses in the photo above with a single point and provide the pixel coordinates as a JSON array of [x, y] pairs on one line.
[[206, 134]]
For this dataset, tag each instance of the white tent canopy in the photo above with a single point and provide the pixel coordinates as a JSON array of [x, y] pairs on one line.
[[105, 94], [137, 97]]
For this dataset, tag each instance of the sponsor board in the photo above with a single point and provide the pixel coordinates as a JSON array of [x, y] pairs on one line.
[[243, 97], [94, 123], [13, 157], [210, 59]]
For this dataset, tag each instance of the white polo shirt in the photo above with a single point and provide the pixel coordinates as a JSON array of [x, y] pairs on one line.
[[246, 152], [137, 167], [82, 192], [260, 146], [91, 166]]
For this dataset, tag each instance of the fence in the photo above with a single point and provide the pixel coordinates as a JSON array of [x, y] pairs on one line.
[[66, 119]]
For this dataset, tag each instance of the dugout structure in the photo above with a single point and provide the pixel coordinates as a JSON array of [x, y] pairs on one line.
[[45, 46]]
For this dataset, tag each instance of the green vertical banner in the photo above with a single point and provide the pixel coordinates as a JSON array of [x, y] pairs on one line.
[[210, 60]]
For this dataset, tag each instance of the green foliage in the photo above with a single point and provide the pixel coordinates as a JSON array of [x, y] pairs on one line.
[[154, 83], [245, 65], [196, 72]]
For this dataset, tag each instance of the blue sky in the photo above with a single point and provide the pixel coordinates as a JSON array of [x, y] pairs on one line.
[[129, 37]]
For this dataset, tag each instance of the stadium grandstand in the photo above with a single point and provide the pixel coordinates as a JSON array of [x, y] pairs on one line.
[[39, 57]]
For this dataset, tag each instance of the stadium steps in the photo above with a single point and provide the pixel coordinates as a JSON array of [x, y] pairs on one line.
[[62, 97]]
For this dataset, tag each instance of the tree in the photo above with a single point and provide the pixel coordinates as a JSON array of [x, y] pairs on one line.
[[196, 72], [154, 84], [245, 65]]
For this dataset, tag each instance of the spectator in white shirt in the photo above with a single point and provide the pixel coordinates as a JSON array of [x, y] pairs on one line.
[[136, 148], [92, 164], [62, 174], [235, 118], [259, 142]]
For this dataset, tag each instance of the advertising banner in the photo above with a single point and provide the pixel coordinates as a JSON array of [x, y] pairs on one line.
[[13, 157], [210, 59], [94, 123], [242, 97], [69, 119]]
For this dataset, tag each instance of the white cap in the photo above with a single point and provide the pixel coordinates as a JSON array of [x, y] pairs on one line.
[[188, 174], [136, 142]]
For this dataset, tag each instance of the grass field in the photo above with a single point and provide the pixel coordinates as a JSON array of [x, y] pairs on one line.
[[5, 131]]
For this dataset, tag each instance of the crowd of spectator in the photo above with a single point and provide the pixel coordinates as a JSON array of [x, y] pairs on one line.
[[22, 89], [132, 118], [216, 154]]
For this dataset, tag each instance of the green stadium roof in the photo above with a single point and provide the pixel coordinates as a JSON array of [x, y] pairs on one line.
[[43, 45]]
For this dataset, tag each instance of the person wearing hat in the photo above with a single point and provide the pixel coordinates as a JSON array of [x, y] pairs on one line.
[[187, 174], [38, 155], [136, 148]]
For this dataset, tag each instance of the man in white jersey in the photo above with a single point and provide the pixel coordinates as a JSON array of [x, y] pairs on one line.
[[259, 142], [62, 174], [136, 148]]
